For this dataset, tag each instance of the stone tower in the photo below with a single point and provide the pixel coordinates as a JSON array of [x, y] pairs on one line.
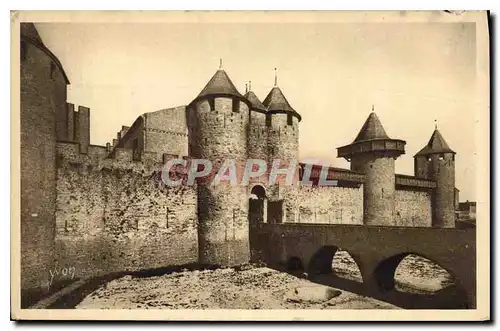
[[283, 144], [257, 130], [43, 106], [373, 153], [436, 161], [218, 121]]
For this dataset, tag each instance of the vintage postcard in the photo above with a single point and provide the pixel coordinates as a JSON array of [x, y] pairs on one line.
[[250, 165]]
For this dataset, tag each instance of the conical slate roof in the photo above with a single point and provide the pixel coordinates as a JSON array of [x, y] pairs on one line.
[[220, 83], [29, 30], [30, 34], [436, 145], [254, 100], [276, 100], [372, 129]]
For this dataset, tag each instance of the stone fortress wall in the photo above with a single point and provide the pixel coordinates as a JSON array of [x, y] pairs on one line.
[[114, 214], [101, 209]]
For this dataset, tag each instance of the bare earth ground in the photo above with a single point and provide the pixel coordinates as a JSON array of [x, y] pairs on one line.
[[257, 288], [253, 288]]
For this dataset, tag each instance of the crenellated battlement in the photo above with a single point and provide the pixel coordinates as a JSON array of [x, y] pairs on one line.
[[120, 158], [72, 151], [77, 126]]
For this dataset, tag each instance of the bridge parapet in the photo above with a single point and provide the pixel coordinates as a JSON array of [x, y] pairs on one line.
[[371, 247]]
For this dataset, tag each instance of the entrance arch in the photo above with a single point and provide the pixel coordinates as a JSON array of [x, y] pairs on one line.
[[259, 191], [257, 205]]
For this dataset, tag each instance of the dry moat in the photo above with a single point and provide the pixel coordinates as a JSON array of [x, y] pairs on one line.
[[258, 288]]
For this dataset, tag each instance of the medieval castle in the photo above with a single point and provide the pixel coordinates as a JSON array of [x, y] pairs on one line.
[[101, 209]]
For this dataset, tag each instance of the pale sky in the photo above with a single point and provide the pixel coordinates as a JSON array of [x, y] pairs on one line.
[[331, 73]]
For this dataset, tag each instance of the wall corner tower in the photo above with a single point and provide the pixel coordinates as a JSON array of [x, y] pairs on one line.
[[436, 161], [219, 118], [373, 153], [43, 84], [283, 145], [257, 130]]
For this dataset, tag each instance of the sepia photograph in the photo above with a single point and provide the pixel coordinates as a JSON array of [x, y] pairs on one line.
[[203, 165]]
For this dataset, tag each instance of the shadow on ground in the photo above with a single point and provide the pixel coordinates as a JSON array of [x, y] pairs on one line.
[[450, 297], [71, 300]]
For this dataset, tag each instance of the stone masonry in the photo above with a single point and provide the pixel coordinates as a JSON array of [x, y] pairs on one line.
[[101, 209]]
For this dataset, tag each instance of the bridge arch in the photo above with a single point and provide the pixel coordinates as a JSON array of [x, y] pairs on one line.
[[377, 251], [385, 271], [453, 295], [322, 261]]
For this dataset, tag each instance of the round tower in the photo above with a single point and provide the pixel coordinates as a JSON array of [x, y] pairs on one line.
[[43, 84], [283, 144], [257, 130], [436, 161], [373, 153], [218, 118]]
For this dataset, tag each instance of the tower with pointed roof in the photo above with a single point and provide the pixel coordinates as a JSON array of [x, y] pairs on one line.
[[42, 106], [436, 161], [283, 144], [218, 119], [373, 153]]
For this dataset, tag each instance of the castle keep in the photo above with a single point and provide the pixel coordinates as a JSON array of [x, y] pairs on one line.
[[100, 209]]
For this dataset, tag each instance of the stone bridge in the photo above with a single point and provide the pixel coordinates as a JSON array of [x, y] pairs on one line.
[[377, 250]]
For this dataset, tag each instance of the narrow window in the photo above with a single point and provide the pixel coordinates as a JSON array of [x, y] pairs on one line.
[[211, 103], [135, 150], [289, 120], [236, 105], [268, 120]]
